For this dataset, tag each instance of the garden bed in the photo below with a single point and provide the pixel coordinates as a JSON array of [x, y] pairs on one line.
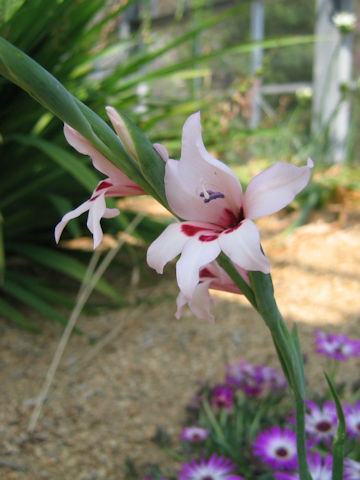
[[106, 405]]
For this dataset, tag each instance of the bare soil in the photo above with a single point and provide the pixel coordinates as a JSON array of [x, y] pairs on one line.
[[106, 404]]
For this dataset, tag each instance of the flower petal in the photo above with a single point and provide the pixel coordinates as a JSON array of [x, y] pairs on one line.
[[199, 303], [188, 181], [122, 182], [242, 246], [96, 212], [166, 247], [84, 207], [273, 189], [195, 255]]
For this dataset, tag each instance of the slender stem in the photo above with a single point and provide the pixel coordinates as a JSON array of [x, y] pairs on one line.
[[289, 354]]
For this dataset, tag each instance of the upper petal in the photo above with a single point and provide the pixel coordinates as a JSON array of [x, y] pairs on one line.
[[188, 181], [101, 163], [273, 189], [242, 246]]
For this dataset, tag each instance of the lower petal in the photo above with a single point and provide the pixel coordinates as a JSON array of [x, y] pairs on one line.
[[69, 216], [195, 255], [96, 212], [199, 303], [166, 247], [242, 246]]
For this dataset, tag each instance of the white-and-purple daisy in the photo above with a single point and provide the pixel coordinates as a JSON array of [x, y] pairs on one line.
[[320, 468], [352, 416], [337, 346], [216, 468], [352, 469], [194, 434], [321, 423], [277, 448]]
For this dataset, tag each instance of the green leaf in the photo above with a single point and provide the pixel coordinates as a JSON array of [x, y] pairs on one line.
[[66, 264], [2, 250], [12, 314], [29, 298], [338, 444], [82, 173]]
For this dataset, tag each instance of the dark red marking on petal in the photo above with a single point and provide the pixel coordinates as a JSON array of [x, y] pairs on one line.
[[102, 185], [208, 238], [230, 217], [205, 273], [94, 198], [191, 230], [229, 230]]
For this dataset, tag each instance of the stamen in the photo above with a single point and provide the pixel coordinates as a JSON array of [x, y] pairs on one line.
[[209, 195]]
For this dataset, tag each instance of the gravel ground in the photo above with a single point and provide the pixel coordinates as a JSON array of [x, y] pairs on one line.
[[105, 405]]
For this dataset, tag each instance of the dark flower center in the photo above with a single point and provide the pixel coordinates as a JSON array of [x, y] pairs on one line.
[[281, 452], [323, 426], [207, 477], [358, 426]]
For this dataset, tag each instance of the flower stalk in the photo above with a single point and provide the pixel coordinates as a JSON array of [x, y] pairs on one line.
[[261, 296]]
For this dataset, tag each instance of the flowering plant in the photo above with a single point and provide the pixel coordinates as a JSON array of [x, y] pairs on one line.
[[214, 231]]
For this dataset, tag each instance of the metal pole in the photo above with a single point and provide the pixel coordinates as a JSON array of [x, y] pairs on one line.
[[257, 34]]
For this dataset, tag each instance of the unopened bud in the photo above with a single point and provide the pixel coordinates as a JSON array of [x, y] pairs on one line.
[[123, 132]]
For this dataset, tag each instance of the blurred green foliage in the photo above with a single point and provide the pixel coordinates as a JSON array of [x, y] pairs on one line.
[[158, 70]]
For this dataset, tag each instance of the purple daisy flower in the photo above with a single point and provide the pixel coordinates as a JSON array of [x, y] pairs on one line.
[[352, 416], [321, 423], [337, 346], [320, 469], [194, 434], [223, 396], [277, 448], [254, 380], [216, 468], [352, 469]]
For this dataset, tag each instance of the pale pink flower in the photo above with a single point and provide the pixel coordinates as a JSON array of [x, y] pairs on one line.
[[211, 276], [207, 194], [116, 185]]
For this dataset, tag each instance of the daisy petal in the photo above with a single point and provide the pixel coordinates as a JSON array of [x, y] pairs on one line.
[[195, 255], [166, 247], [273, 189], [242, 246]]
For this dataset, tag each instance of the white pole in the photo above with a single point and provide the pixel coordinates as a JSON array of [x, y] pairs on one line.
[[332, 68], [257, 34]]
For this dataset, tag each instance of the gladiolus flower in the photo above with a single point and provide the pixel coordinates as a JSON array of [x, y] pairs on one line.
[[116, 185], [207, 194]]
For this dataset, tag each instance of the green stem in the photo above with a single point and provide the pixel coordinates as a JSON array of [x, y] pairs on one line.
[[288, 350]]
